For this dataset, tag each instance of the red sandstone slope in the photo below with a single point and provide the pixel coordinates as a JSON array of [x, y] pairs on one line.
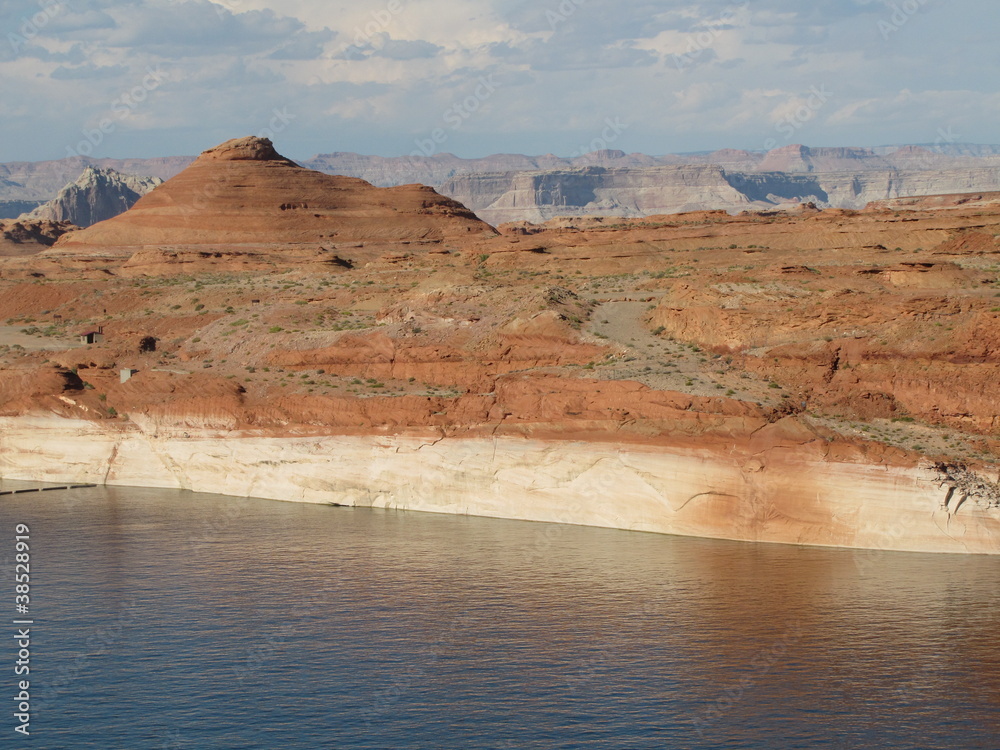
[[879, 324], [244, 192]]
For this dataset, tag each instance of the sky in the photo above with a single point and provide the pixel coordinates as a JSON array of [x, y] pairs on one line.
[[144, 78]]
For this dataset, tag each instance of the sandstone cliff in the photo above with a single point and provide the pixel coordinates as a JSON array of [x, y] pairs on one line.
[[96, 195], [597, 191], [794, 159], [804, 375], [777, 486], [41, 181]]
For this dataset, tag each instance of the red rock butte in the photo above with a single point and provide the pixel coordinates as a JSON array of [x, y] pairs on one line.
[[243, 192]]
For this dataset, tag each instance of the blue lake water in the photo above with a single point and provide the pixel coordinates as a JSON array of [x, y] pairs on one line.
[[175, 620]]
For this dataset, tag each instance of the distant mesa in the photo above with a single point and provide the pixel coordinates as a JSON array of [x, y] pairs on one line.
[[609, 182], [96, 195], [243, 192]]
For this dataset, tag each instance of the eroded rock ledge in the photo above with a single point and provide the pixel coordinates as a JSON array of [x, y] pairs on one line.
[[778, 483]]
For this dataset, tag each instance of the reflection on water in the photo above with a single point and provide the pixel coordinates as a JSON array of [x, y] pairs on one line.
[[172, 620]]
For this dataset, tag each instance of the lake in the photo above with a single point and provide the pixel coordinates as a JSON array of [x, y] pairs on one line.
[[168, 619]]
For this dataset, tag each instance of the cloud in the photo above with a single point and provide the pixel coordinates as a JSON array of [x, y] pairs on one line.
[[552, 56], [87, 71], [404, 49], [686, 75], [383, 45], [71, 21], [305, 45], [198, 28]]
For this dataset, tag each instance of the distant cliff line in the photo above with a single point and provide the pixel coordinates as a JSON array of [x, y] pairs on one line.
[[514, 187]]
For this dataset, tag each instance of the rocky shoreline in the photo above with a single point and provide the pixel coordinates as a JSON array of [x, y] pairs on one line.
[[779, 490], [254, 328]]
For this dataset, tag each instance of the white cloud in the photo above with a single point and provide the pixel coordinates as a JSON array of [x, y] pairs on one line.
[[372, 76]]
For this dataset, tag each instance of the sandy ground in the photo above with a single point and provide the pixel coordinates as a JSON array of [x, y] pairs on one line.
[[12, 336], [662, 363]]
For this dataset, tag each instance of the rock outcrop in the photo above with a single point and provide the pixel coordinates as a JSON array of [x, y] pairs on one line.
[[244, 193], [639, 192], [438, 169], [783, 484], [96, 195], [794, 159], [30, 237], [595, 191], [40, 181]]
